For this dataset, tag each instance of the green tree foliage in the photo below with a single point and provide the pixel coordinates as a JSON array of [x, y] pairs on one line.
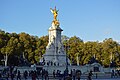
[[110, 51], [104, 52], [73, 47], [33, 47], [15, 45], [41, 44]]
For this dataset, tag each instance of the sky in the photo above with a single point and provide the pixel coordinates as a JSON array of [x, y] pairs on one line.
[[90, 20]]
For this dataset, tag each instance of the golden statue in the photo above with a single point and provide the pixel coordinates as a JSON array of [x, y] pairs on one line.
[[55, 13]]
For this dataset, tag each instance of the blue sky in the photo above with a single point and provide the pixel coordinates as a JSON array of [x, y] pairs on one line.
[[91, 20]]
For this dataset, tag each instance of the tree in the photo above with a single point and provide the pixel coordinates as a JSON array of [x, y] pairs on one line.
[[41, 44], [13, 45], [109, 51], [74, 48]]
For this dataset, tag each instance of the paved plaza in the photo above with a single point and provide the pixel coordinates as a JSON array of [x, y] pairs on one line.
[[76, 79], [105, 77]]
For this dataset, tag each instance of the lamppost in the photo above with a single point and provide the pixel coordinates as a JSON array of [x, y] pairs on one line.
[[66, 61], [66, 48], [6, 59], [6, 55]]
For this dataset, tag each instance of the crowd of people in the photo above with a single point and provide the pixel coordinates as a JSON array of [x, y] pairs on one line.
[[43, 74], [26, 75], [115, 73]]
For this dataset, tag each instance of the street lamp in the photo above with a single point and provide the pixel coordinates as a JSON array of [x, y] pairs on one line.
[[6, 59], [66, 48]]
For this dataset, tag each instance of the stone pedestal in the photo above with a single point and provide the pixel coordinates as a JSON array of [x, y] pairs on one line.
[[55, 54]]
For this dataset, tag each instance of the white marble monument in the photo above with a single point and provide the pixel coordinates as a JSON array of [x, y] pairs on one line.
[[55, 54]]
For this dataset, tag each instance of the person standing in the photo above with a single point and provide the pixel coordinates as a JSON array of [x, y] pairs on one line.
[[54, 74], [25, 75], [74, 74], [12, 76], [78, 75], [68, 77], [0, 75], [46, 75], [33, 75], [18, 75], [112, 74], [90, 75]]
